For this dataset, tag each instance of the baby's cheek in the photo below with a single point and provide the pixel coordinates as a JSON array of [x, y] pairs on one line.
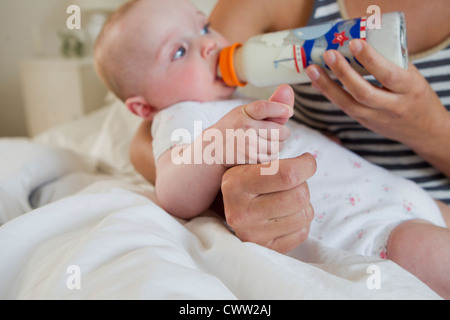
[[195, 84]]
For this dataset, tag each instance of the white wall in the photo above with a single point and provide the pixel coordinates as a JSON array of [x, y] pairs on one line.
[[19, 19], [205, 5]]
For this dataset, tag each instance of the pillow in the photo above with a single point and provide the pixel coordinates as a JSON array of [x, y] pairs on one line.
[[111, 148], [102, 137], [24, 167]]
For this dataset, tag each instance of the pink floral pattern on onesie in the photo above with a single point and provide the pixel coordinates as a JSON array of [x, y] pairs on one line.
[[360, 233], [408, 206], [353, 199], [381, 252]]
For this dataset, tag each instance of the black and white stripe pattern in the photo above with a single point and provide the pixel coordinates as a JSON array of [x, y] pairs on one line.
[[317, 112]]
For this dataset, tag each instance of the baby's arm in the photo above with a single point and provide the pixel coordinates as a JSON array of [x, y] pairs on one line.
[[186, 189]]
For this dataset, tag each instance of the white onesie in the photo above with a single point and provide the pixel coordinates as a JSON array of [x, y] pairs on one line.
[[356, 203]]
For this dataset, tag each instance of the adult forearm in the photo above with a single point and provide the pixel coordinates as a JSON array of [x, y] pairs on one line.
[[436, 148], [238, 20], [141, 152]]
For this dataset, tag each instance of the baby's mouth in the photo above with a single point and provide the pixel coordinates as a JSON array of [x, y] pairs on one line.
[[219, 79], [218, 73]]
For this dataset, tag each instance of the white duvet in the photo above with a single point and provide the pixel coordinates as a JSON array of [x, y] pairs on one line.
[[78, 223]]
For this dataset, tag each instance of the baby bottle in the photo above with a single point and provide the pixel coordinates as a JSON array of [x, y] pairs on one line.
[[282, 57]]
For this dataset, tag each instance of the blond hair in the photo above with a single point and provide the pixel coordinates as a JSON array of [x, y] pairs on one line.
[[117, 73]]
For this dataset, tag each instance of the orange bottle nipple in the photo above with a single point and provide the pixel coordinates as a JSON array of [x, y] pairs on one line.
[[226, 66]]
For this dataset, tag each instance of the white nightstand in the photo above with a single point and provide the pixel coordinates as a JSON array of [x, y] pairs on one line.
[[59, 90]]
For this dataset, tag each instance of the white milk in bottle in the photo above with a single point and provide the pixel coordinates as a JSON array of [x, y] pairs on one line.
[[282, 57]]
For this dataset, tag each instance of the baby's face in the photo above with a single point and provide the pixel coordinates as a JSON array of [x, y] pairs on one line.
[[181, 53]]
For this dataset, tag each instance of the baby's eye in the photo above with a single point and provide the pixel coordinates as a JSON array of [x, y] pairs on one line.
[[180, 53], [205, 29]]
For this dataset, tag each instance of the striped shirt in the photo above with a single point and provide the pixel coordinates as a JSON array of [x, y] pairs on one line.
[[317, 112]]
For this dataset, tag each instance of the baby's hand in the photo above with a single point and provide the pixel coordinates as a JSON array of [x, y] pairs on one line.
[[255, 133]]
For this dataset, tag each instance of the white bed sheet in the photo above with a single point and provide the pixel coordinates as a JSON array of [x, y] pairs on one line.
[[97, 233]]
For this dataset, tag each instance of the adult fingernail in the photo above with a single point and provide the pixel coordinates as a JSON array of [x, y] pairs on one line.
[[313, 73], [329, 57], [355, 46], [290, 108]]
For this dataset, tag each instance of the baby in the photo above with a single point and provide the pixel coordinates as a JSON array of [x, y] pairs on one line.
[[161, 57]]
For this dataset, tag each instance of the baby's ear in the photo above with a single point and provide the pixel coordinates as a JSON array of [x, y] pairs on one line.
[[140, 107]]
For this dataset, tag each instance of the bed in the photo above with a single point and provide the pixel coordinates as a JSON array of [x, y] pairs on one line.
[[77, 222]]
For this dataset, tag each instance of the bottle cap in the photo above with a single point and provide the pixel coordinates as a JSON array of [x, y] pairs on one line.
[[226, 66]]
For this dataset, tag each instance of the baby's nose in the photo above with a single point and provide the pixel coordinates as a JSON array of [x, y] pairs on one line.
[[208, 47]]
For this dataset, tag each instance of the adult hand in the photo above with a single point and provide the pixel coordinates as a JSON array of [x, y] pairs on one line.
[[405, 109], [271, 210]]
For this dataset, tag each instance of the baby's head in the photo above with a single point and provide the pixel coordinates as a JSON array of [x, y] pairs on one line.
[[154, 53]]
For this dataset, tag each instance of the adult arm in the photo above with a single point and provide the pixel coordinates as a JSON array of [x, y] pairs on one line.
[[238, 20], [141, 152]]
